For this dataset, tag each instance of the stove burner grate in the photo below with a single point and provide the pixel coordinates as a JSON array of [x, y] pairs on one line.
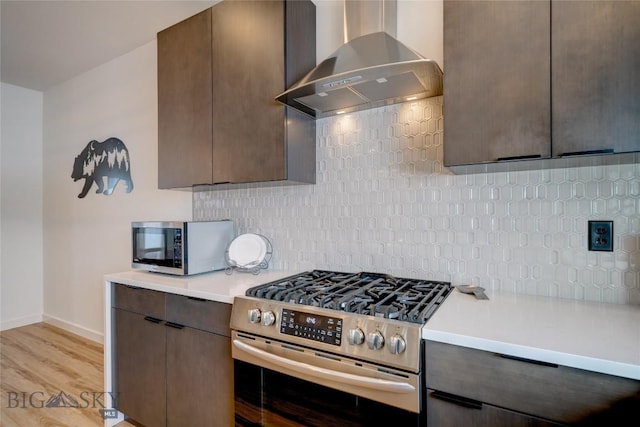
[[371, 294]]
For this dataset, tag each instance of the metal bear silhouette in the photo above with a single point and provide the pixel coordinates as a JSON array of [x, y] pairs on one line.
[[110, 159]]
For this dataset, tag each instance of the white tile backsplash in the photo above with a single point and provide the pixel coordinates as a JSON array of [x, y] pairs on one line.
[[384, 202]]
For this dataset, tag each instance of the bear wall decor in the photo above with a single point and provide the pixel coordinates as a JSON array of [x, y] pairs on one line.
[[110, 159]]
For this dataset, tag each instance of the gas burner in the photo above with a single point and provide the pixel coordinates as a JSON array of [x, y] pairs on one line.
[[388, 311], [371, 294], [410, 298]]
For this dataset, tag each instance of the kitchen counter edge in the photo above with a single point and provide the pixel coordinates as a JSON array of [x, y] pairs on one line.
[[596, 337], [215, 286]]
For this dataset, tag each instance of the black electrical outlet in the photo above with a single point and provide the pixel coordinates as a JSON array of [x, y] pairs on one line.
[[601, 236]]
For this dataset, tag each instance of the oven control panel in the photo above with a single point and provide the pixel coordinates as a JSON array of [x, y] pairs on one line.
[[315, 327], [380, 340]]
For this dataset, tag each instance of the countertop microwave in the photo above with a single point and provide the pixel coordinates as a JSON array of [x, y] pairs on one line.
[[181, 247]]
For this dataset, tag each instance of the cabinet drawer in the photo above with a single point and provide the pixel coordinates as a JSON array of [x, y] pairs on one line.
[[210, 316], [549, 391], [445, 412], [139, 300]]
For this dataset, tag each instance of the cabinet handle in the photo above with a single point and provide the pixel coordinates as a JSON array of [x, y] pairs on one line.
[[174, 325], [458, 400], [522, 359], [152, 319], [196, 299], [588, 152], [525, 157]]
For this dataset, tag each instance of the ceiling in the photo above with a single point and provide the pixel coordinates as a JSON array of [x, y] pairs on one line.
[[44, 43]]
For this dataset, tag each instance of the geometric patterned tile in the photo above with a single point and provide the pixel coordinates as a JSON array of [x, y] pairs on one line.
[[384, 202]]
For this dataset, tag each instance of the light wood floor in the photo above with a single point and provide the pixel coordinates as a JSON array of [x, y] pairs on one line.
[[40, 361]]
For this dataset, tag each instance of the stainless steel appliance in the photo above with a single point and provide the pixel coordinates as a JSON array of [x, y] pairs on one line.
[[370, 70], [179, 247], [332, 348]]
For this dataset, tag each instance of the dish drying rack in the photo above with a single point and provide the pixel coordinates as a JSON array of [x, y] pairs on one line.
[[254, 267]]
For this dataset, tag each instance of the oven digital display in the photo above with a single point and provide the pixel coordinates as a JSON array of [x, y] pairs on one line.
[[311, 326]]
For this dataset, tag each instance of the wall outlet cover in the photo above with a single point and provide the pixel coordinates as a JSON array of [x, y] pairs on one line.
[[601, 236]]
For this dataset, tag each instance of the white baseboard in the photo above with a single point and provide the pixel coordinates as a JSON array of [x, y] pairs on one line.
[[22, 321], [74, 328]]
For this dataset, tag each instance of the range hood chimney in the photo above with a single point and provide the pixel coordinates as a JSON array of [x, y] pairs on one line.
[[370, 70]]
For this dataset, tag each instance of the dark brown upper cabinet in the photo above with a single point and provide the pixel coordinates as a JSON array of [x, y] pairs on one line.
[[596, 77], [496, 81], [535, 84], [218, 74]]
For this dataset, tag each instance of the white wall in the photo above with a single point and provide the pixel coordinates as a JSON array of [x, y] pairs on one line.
[[420, 26], [21, 288], [86, 238]]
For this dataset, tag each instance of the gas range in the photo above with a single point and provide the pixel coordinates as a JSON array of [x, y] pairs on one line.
[[369, 316], [356, 333]]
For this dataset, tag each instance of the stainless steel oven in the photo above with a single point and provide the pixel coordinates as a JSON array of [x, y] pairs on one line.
[[326, 348]]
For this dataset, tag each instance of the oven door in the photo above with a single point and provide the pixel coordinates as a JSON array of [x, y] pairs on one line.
[[280, 384]]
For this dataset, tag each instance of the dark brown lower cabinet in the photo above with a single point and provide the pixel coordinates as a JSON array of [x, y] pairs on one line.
[[199, 378], [173, 364], [469, 387], [140, 367]]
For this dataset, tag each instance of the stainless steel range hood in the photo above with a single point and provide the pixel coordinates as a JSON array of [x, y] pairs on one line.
[[370, 70]]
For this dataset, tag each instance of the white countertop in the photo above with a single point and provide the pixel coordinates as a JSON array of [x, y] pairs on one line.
[[586, 335], [216, 286], [592, 336]]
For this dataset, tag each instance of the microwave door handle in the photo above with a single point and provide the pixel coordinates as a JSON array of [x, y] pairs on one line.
[[315, 371]]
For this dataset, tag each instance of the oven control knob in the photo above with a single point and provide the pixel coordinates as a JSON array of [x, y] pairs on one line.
[[268, 318], [397, 344], [355, 336], [375, 340], [254, 315]]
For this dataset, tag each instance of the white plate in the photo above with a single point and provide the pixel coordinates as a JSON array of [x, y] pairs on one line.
[[247, 250]]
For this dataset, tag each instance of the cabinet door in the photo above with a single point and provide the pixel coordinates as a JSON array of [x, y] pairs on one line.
[[496, 81], [596, 64], [450, 411], [184, 103], [140, 367], [248, 72], [199, 378]]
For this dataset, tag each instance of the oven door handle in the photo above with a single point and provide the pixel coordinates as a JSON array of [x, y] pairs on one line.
[[323, 373]]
